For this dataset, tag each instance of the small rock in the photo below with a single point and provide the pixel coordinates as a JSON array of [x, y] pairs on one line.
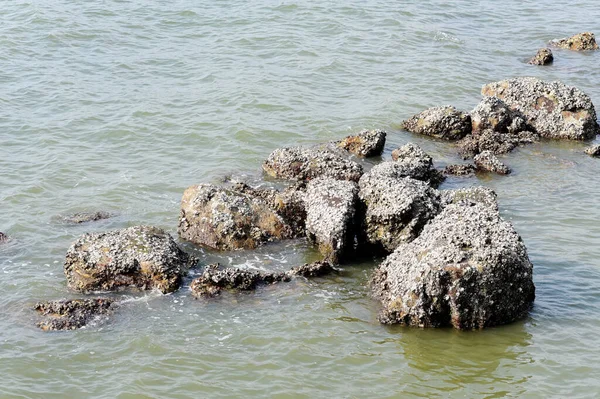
[[411, 161], [493, 114], [471, 195], [488, 162], [553, 109], [73, 313], [225, 219], [315, 269], [3, 237], [542, 57], [446, 123], [460, 170], [496, 143], [579, 42], [368, 143], [84, 217], [298, 163], [593, 151], [468, 269], [142, 257], [330, 216]]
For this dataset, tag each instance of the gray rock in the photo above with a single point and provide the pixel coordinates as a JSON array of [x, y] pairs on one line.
[[460, 170], [72, 314], [395, 209], [493, 114], [411, 161], [446, 123], [553, 109], [298, 163], [315, 269], [225, 219], [84, 217], [468, 269], [3, 237], [579, 42], [141, 257], [471, 195], [496, 143], [542, 57], [488, 162], [593, 151], [330, 216], [368, 143]]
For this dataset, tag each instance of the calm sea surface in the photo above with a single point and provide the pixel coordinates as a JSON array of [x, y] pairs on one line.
[[120, 105]]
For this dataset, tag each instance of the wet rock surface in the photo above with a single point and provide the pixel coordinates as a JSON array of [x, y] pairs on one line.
[[299, 163], [488, 162], [395, 209], [493, 114], [330, 216], [141, 257], [579, 42], [368, 143], [84, 217], [468, 269], [411, 161], [225, 219], [446, 123], [214, 279], [496, 143], [460, 169], [553, 109], [471, 195], [593, 151], [3, 237], [542, 57], [72, 314]]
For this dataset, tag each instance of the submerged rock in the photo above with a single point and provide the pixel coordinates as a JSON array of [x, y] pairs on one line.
[[141, 257], [579, 42], [471, 195], [330, 216], [488, 162], [368, 143], [593, 151], [553, 109], [225, 219], [411, 161], [298, 163], [3, 237], [496, 143], [214, 279], [446, 123], [468, 269], [72, 314], [395, 209], [542, 57], [460, 170], [84, 217]]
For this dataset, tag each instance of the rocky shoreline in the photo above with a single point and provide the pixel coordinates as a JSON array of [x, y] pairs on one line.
[[451, 260]]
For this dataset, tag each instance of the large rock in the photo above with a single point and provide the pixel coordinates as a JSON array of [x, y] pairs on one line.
[[72, 314], [579, 42], [299, 163], [367, 143], [542, 57], [468, 269], [411, 161], [226, 219], [488, 162], [493, 114], [446, 123], [330, 216], [395, 209], [141, 257], [553, 109]]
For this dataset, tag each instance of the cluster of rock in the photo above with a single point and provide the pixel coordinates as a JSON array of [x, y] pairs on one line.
[[580, 42]]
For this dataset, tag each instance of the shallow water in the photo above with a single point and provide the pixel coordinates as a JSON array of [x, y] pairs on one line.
[[120, 105]]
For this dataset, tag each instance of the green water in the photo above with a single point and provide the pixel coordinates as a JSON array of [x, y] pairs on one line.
[[120, 105]]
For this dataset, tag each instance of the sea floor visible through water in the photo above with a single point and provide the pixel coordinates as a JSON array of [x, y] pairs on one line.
[[120, 105]]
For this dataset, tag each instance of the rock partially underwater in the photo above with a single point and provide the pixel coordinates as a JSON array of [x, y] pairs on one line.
[[593, 151], [542, 57], [367, 143], [72, 314], [488, 162], [140, 257], [446, 123], [580, 42], [85, 217]]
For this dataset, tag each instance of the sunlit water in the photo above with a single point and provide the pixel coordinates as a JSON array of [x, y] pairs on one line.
[[120, 105]]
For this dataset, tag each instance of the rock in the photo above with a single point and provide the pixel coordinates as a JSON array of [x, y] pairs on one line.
[[368, 143], [214, 279], [330, 216], [3, 237], [411, 161], [395, 209], [298, 163], [493, 114], [553, 109], [460, 170], [496, 143], [73, 314], [471, 195], [579, 42], [488, 162], [225, 219], [468, 269], [442, 122], [84, 217], [143, 257], [593, 151], [289, 203], [542, 57]]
